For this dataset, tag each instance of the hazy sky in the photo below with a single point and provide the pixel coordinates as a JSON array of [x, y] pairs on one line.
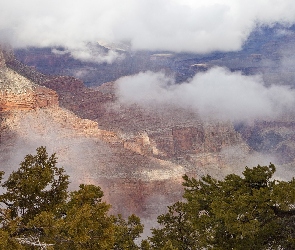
[[177, 25]]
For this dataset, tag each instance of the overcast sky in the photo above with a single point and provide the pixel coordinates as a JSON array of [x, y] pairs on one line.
[[176, 25], [198, 26]]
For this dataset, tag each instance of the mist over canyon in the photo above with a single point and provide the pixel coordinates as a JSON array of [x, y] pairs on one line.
[[131, 98]]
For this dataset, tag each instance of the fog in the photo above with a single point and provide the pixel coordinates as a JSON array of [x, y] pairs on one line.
[[216, 94], [170, 25], [81, 157]]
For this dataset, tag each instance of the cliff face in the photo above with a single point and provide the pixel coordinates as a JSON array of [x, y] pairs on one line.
[[272, 137], [18, 93], [39, 98], [196, 139]]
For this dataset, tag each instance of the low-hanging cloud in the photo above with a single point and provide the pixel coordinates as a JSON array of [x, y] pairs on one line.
[[172, 25], [91, 53], [215, 94]]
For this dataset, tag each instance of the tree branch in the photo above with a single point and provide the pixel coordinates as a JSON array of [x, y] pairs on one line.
[[282, 213]]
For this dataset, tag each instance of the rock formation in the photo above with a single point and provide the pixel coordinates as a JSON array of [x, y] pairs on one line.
[[17, 92], [138, 155]]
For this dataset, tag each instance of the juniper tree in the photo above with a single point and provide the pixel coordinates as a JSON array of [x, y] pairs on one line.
[[38, 212], [251, 211], [38, 185]]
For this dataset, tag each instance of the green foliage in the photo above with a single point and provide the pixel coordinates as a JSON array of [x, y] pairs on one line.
[[249, 212], [8, 243], [127, 232], [145, 245], [180, 234], [168, 246], [38, 212], [38, 185], [86, 224]]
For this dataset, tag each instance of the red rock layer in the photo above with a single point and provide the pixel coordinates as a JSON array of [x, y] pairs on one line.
[[39, 98]]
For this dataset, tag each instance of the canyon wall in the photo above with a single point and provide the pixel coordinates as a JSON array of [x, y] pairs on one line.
[[31, 117], [137, 155]]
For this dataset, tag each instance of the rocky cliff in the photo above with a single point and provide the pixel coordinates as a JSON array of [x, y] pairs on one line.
[[272, 137], [168, 132], [17, 92]]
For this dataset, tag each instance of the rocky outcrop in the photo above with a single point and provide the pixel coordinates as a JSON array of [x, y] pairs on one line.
[[31, 100], [201, 138], [132, 182], [18, 93]]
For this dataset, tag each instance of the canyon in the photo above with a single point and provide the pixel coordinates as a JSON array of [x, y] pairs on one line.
[[138, 155]]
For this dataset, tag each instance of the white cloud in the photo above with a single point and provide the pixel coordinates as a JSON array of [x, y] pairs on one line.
[[176, 25], [89, 53], [218, 94]]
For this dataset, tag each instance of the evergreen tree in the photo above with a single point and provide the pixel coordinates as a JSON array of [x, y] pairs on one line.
[[180, 234], [38, 185], [240, 212], [38, 212], [127, 232]]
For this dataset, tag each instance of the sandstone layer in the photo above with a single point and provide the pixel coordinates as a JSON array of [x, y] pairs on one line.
[[17, 92]]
